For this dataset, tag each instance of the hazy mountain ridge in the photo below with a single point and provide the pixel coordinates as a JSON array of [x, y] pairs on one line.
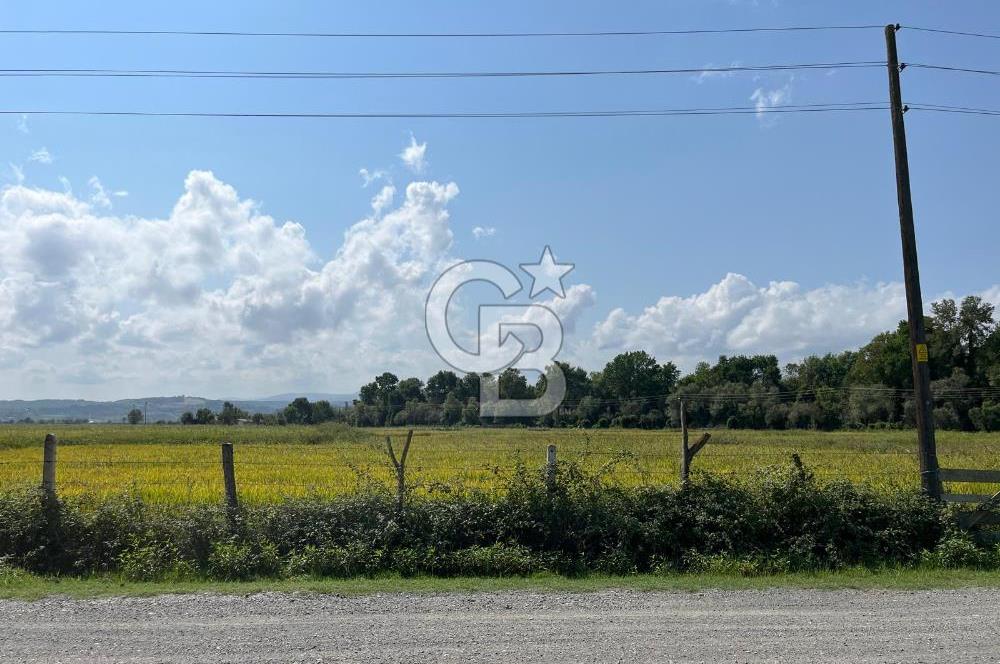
[[157, 408]]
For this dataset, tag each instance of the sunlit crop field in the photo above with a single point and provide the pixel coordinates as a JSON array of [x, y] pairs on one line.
[[167, 464]]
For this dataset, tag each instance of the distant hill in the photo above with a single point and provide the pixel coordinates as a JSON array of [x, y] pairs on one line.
[[169, 409], [335, 399]]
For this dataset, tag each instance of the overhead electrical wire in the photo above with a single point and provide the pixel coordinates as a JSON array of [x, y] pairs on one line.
[[731, 110], [965, 70], [958, 33], [436, 35], [965, 110], [196, 73]]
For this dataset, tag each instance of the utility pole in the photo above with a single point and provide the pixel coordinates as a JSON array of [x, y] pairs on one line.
[[929, 478]]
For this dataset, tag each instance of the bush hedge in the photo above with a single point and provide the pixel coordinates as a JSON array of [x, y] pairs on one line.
[[781, 520]]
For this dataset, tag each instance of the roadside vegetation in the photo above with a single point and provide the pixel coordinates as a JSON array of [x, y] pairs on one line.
[[780, 520]]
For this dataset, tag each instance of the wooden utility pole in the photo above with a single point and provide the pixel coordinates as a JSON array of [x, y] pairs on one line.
[[929, 479]]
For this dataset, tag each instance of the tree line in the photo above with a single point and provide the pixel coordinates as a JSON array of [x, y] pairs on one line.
[[869, 387]]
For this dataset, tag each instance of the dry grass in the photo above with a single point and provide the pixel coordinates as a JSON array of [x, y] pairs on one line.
[[181, 464]]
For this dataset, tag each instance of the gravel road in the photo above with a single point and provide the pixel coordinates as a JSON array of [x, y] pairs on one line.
[[612, 626]]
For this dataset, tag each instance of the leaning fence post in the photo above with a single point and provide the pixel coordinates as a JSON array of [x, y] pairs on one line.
[[550, 467], [400, 466], [229, 477], [685, 456], [49, 466]]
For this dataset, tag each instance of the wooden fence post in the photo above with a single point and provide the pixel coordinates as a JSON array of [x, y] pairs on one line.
[[229, 477], [400, 465], [685, 456], [688, 452], [550, 467], [49, 467]]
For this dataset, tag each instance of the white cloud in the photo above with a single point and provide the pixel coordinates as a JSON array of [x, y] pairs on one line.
[[415, 155], [703, 76], [99, 197], [41, 156], [368, 177], [765, 99], [737, 316], [216, 296], [383, 199], [992, 295], [480, 232], [22, 124]]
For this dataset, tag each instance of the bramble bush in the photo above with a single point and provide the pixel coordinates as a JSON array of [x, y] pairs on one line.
[[780, 519]]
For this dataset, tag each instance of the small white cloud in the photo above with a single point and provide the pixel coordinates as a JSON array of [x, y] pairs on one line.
[[479, 232], [368, 177], [99, 197], [22, 124], [703, 76], [415, 155], [66, 185], [121, 193], [764, 99], [41, 156]]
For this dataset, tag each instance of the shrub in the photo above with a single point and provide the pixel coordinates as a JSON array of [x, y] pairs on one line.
[[233, 560], [958, 550], [780, 518], [986, 417], [154, 561]]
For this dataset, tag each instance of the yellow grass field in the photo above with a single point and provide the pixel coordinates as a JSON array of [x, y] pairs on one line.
[[170, 464]]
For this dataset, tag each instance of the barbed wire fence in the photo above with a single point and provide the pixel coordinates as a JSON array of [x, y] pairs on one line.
[[444, 461]]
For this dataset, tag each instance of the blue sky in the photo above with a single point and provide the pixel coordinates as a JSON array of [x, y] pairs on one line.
[[647, 208]]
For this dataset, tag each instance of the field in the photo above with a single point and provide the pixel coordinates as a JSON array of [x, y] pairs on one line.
[[169, 464]]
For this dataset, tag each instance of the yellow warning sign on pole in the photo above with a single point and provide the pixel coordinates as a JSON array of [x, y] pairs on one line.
[[922, 355]]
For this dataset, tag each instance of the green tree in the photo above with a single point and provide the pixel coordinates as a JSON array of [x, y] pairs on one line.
[[440, 385], [636, 374], [134, 416], [204, 416], [322, 411], [299, 411], [452, 409], [230, 414]]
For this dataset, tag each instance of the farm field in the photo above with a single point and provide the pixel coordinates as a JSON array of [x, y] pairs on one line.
[[177, 464]]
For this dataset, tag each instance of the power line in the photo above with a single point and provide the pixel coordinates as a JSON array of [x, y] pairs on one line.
[[194, 73], [987, 72], [959, 33], [732, 110], [435, 35], [964, 110]]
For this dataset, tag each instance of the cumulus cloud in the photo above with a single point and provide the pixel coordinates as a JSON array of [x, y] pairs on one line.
[[737, 316], [480, 232], [41, 156], [216, 295], [383, 199], [414, 155]]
